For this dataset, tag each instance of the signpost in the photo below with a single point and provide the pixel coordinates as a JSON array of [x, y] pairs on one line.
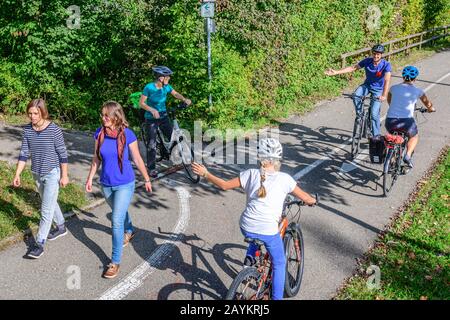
[[207, 12]]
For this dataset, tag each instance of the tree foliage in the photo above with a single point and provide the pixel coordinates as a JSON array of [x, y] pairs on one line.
[[267, 55]]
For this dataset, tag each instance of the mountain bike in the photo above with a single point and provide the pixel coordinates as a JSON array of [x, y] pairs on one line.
[[362, 127], [177, 149], [255, 282], [393, 164]]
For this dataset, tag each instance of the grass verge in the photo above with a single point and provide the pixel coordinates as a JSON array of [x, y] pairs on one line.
[[19, 207], [413, 255]]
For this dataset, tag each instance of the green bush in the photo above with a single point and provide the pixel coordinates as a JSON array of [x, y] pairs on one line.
[[268, 56]]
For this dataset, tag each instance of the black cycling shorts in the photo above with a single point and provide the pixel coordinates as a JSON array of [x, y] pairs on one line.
[[406, 125]]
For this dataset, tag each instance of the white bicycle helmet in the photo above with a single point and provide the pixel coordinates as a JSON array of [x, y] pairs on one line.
[[270, 148]]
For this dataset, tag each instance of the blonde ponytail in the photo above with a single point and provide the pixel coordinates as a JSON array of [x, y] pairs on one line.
[[262, 190]]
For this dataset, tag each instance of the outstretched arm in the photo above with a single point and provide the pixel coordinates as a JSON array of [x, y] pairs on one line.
[[332, 72], [222, 184]]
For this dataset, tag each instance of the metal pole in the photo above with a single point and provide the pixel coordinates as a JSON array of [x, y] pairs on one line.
[[208, 41]]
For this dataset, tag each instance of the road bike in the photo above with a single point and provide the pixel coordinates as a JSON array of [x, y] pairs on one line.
[[255, 282]]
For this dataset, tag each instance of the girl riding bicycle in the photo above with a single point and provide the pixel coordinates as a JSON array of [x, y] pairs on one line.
[[266, 190], [402, 99]]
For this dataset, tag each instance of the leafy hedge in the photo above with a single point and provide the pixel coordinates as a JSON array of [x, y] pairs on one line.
[[268, 56]]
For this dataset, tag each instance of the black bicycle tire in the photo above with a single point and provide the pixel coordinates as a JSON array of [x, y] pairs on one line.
[[195, 178], [240, 278], [356, 141], [144, 135], [289, 289], [390, 171], [159, 147]]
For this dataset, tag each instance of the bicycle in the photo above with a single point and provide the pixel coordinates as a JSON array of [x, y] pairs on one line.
[[256, 281], [393, 165], [362, 127], [177, 149]]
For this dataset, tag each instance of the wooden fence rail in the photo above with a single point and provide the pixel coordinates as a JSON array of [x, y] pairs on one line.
[[436, 33]]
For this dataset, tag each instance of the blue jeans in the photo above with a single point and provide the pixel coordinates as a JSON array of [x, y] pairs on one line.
[[275, 246], [375, 106], [119, 199], [48, 187]]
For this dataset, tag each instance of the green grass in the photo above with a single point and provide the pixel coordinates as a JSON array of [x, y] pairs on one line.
[[414, 254], [19, 207]]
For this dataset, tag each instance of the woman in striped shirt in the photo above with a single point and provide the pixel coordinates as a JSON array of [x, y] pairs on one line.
[[44, 142]]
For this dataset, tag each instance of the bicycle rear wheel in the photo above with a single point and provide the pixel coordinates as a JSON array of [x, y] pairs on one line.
[[294, 252], [390, 172], [160, 148], [248, 285], [144, 136]]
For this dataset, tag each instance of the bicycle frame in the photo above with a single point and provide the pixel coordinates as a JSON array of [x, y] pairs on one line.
[[264, 262], [264, 266], [177, 136]]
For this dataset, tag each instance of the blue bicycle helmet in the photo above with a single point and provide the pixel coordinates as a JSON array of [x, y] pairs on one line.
[[378, 48], [162, 71], [410, 73]]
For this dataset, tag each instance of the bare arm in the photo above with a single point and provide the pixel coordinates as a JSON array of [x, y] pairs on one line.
[[19, 169], [387, 83], [137, 159], [222, 184], [94, 166], [64, 180], [427, 103], [332, 72], [180, 97], [143, 105], [302, 195]]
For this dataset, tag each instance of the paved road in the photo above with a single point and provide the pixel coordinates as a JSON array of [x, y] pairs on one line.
[[189, 245]]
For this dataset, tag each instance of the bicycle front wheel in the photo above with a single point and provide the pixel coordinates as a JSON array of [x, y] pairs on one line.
[[294, 252], [356, 139], [186, 154], [248, 285]]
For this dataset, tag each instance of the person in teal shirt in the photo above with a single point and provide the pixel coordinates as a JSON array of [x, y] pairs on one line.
[[153, 101]]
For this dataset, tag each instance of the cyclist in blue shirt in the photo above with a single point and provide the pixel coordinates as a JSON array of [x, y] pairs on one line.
[[153, 101], [378, 77]]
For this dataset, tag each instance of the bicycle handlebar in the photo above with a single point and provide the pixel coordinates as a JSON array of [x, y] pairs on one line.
[[421, 109], [302, 203], [180, 106], [362, 97]]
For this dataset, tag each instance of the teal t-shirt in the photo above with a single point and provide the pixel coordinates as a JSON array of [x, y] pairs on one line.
[[156, 98]]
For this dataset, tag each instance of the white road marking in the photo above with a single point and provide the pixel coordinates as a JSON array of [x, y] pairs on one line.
[[319, 161], [137, 277]]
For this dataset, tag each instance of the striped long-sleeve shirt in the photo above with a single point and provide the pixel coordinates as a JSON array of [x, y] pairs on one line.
[[47, 148]]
